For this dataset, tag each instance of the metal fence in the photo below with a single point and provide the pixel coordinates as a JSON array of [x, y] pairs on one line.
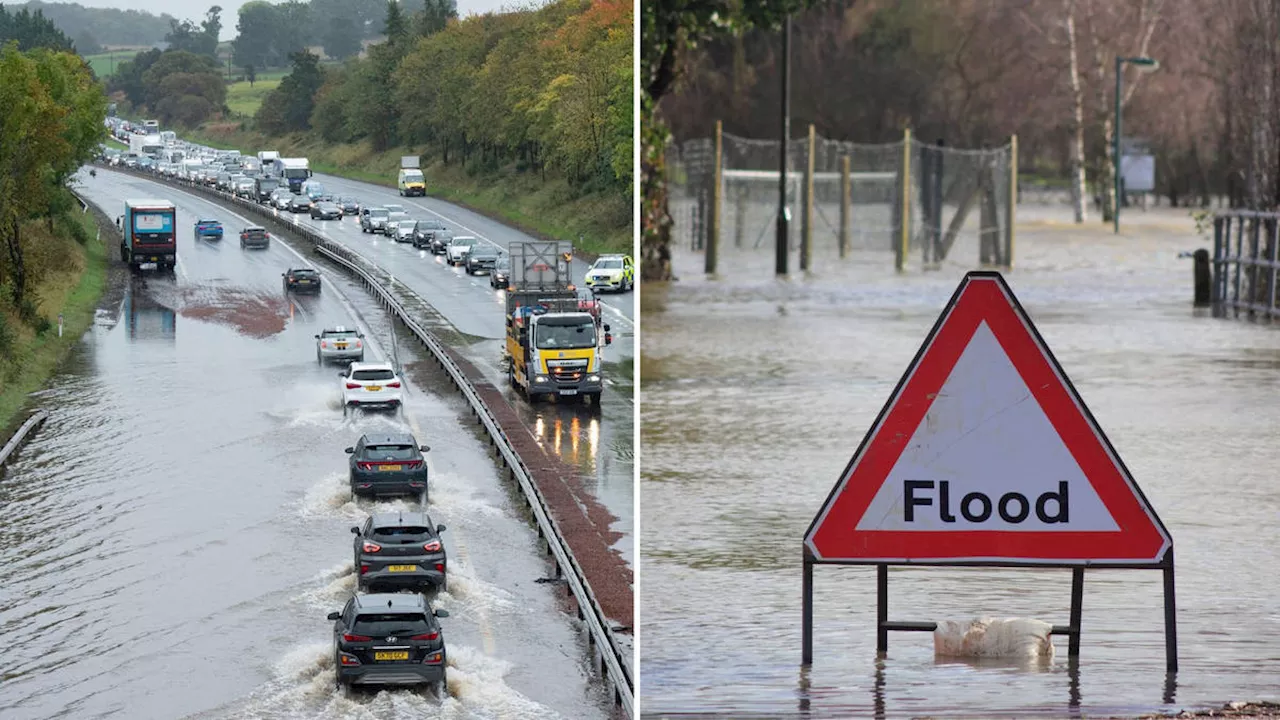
[[1245, 264], [615, 659], [905, 202]]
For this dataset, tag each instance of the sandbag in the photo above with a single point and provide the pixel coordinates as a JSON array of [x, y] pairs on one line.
[[993, 637]]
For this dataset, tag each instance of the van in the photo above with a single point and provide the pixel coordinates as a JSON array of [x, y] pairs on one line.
[[411, 182]]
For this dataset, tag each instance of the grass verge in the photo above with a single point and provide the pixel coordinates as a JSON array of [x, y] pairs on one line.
[[595, 224], [72, 287]]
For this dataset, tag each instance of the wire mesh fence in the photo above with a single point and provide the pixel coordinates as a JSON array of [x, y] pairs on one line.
[[905, 203]]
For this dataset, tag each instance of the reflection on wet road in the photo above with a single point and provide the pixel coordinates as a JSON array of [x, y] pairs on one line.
[[172, 539], [757, 392]]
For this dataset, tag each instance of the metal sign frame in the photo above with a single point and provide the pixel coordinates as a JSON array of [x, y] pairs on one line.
[[1164, 563]]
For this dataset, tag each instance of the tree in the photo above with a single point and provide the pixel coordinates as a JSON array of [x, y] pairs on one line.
[[396, 26], [340, 42], [289, 107], [31, 30], [435, 16], [256, 30], [212, 29], [128, 77]]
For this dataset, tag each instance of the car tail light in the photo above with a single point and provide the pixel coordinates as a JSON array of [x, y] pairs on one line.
[[394, 383], [353, 386], [440, 567], [358, 344], [356, 638], [365, 465], [324, 343], [364, 569], [348, 659], [413, 465], [428, 636], [433, 546], [434, 658], [371, 547]]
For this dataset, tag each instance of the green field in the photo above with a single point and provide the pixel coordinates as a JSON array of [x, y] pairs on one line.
[[245, 100], [104, 63]]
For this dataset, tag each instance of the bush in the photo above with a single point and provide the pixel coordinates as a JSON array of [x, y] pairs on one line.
[[6, 338], [31, 316], [77, 230]]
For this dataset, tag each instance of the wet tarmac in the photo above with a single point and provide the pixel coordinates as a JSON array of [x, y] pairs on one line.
[[757, 392], [173, 537], [600, 444]]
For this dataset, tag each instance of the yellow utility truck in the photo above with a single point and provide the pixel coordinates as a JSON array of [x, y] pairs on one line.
[[411, 181], [554, 344]]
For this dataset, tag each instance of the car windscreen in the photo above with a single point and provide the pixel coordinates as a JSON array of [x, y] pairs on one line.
[[406, 532], [302, 273], [372, 375], [609, 265], [378, 213], [390, 624], [565, 337], [485, 253], [412, 175], [339, 335], [390, 452]]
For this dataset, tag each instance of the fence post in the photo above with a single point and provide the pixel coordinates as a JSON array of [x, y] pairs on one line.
[[905, 230], [713, 225], [1011, 211], [935, 191], [1273, 240], [806, 234], [845, 202]]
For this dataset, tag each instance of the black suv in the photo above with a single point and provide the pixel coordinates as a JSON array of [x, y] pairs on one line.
[[387, 465], [424, 231], [399, 551], [301, 279], [389, 639]]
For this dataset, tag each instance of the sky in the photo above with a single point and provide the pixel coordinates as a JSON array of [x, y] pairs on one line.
[[195, 9]]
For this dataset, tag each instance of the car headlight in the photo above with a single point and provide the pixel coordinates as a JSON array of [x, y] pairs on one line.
[[593, 378], [540, 378]]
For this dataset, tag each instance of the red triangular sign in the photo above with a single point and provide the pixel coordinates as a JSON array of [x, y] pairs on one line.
[[986, 454]]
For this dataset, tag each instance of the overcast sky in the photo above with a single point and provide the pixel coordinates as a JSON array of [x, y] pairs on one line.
[[195, 9]]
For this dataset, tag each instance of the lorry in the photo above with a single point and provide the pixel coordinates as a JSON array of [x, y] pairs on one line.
[[148, 231], [146, 145], [269, 160], [152, 127], [411, 181], [295, 171], [553, 346]]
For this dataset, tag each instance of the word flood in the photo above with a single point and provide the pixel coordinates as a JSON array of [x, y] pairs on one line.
[[976, 507]]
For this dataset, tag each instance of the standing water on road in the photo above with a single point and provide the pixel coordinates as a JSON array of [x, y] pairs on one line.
[[756, 392]]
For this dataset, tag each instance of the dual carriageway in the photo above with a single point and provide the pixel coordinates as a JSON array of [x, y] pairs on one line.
[[175, 534]]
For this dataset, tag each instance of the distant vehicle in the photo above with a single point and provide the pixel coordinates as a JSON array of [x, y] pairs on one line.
[[403, 232], [424, 231], [313, 190], [295, 172], [255, 237], [326, 211], [459, 247], [393, 221], [264, 186], [399, 551], [207, 229], [299, 203], [246, 189], [440, 242], [389, 639], [339, 343], [482, 258], [301, 280], [372, 219], [611, 272], [349, 205], [388, 465], [148, 228], [269, 161], [151, 126], [280, 198], [411, 182], [500, 276], [370, 385]]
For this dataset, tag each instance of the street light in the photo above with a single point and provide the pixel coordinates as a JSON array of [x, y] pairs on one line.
[[1143, 63]]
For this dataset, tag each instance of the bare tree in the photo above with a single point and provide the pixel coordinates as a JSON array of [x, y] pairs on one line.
[[1078, 192]]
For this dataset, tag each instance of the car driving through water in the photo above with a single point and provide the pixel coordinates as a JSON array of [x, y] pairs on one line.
[[399, 550], [388, 465], [389, 639]]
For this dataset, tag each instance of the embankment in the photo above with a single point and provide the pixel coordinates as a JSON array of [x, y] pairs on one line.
[[544, 208]]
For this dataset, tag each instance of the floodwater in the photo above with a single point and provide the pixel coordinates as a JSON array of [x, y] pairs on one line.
[[757, 392], [174, 536]]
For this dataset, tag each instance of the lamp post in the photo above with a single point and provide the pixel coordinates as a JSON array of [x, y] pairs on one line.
[[1144, 63], [784, 214]]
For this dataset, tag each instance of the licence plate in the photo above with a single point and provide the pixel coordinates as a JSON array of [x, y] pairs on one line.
[[390, 468], [568, 392], [155, 259], [391, 655], [401, 568], [342, 346], [373, 388]]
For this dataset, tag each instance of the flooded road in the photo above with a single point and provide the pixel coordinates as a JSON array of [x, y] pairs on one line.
[[600, 445], [757, 392], [175, 534]]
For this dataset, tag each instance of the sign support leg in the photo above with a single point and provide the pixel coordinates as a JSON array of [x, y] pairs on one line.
[[806, 630], [1170, 617], [882, 609], [1077, 601]]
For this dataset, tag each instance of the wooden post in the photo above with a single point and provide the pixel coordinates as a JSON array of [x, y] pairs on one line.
[[1012, 210], [846, 201], [905, 236], [806, 232], [713, 227]]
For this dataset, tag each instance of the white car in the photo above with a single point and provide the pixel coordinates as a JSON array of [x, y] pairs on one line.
[[370, 385], [457, 251]]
